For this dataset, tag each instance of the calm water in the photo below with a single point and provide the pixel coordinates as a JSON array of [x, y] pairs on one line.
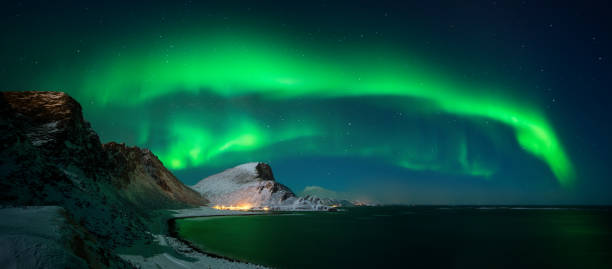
[[379, 237]]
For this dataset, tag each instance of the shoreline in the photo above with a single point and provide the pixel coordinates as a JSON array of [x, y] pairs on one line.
[[196, 256], [172, 232], [183, 253]]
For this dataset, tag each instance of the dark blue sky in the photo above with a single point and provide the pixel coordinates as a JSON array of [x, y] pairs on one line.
[[544, 56]]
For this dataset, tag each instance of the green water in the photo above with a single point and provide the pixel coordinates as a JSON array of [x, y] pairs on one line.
[[383, 237]]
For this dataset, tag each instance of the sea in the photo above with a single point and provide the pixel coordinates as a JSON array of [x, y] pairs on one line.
[[412, 237]]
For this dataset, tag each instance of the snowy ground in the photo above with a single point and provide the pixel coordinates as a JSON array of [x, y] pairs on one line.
[[196, 259], [193, 259], [36, 237]]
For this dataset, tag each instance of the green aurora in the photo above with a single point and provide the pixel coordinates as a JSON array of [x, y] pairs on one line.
[[244, 64]]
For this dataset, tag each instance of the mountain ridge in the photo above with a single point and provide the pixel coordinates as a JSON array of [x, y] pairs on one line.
[[50, 156]]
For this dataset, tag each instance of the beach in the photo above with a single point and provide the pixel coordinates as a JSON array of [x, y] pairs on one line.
[[182, 254]]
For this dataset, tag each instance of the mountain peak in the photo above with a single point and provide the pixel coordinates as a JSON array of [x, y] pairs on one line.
[[143, 175], [250, 183], [260, 170], [42, 107]]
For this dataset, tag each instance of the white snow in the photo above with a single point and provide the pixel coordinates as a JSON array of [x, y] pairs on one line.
[[241, 186], [34, 237], [307, 203], [165, 260], [43, 134], [228, 181], [197, 260]]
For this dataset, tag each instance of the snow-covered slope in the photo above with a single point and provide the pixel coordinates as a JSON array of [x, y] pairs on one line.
[[250, 184], [329, 196], [253, 185], [31, 238], [46, 237]]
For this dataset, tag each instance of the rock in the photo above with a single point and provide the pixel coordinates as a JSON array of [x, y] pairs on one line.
[[146, 181]]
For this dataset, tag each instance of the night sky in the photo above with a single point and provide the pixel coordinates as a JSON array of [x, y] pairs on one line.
[[477, 102]]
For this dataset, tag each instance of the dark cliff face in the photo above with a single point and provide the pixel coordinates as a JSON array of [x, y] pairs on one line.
[[51, 124], [264, 171], [49, 155], [48, 128], [142, 175]]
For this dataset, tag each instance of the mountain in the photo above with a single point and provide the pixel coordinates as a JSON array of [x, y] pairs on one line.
[[50, 156], [321, 192], [249, 184], [329, 196], [252, 185], [147, 182]]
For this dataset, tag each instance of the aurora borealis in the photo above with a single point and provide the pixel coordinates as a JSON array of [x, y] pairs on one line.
[[474, 103]]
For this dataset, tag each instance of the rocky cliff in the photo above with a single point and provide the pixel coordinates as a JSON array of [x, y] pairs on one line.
[[146, 182], [49, 155]]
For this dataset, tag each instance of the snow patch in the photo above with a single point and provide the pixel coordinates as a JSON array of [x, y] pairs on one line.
[[43, 134], [32, 237], [196, 259]]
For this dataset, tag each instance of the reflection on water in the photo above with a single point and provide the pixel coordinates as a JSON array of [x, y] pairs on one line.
[[377, 237]]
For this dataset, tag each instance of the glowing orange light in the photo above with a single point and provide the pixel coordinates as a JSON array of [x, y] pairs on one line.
[[240, 207]]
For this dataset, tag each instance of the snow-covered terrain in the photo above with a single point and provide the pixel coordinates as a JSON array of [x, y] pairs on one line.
[[341, 198], [187, 257], [252, 185], [196, 260], [249, 184], [30, 237], [46, 237]]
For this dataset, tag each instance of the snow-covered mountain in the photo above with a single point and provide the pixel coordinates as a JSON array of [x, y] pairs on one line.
[[247, 184], [340, 198], [252, 185]]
